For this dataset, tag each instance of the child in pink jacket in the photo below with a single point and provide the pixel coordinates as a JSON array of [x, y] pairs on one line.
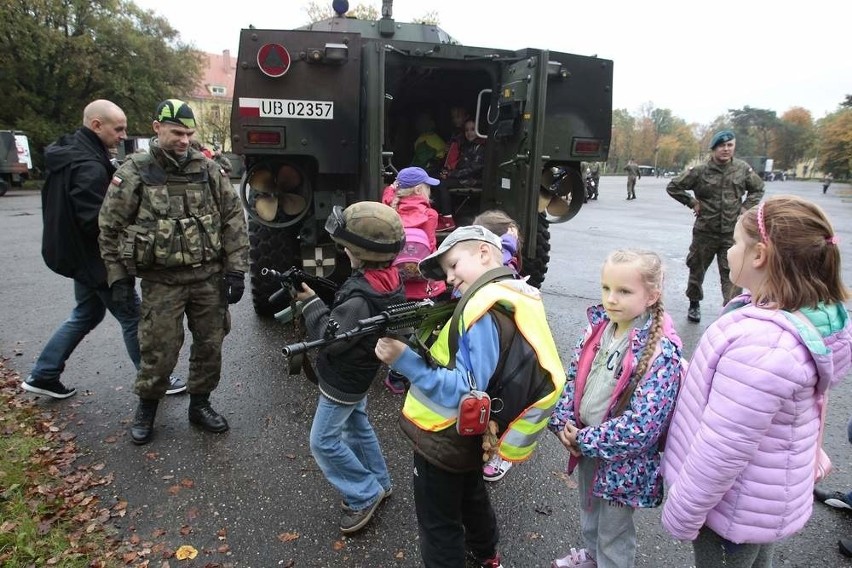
[[741, 451], [409, 195]]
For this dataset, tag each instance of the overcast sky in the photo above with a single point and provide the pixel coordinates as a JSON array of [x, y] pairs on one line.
[[696, 59]]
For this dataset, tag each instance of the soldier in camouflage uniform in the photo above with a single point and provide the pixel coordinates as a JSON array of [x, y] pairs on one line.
[[172, 217], [718, 188], [633, 173]]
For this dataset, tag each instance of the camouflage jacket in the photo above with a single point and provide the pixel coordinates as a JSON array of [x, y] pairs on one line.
[[720, 189], [633, 171], [194, 199]]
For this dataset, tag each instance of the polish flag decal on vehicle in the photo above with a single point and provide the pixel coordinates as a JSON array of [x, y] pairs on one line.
[[249, 107]]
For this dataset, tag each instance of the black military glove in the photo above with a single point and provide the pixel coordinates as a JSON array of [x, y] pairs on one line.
[[234, 286], [123, 291]]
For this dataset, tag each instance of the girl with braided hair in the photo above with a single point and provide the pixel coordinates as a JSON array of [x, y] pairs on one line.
[[623, 380]]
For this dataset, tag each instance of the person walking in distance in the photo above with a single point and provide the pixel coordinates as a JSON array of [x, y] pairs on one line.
[[633, 173], [826, 181], [722, 189], [173, 218], [79, 169]]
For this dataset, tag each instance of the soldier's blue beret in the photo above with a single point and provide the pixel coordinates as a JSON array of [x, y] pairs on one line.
[[721, 137]]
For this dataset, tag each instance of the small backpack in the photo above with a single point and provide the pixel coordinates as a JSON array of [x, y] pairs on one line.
[[416, 248]]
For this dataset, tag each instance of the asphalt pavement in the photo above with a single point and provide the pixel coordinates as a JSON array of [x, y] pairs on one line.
[[254, 497]]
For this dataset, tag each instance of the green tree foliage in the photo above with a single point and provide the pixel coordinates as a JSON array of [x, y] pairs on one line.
[[793, 138], [318, 11], [848, 102], [429, 18], [321, 10], [758, 123], [70, 52], [835, 143]]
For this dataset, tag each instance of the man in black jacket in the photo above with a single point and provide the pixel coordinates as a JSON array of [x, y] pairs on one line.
[[78, 172]]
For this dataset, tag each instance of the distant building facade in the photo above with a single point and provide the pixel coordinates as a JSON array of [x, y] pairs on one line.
[[211, 100]]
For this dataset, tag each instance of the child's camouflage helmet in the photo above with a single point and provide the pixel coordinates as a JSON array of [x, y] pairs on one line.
[[372, 231]]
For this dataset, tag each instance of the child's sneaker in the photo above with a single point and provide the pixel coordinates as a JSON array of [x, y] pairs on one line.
[[495, 469], [353, 521], [396, 383], [576, 558]]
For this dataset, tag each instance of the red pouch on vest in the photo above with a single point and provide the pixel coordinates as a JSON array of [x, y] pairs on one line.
[[474, 412]]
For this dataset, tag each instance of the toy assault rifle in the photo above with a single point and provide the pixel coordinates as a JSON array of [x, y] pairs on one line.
[[406, 319], [291, 280], [294, 277]]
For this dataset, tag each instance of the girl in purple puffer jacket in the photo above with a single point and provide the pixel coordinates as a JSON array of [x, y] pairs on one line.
[[741, 452], [622, 384]]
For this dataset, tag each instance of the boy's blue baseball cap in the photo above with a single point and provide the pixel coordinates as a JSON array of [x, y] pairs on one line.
[[409, 177], [430, 267]]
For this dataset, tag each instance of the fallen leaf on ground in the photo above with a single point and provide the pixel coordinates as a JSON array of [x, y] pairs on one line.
[[288, 536], [186, 552]]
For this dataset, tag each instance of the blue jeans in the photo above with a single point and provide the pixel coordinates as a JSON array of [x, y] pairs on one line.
[[347, 451], [92, 304]]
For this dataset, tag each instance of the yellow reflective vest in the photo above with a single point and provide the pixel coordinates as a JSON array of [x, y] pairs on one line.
[[523, 304]]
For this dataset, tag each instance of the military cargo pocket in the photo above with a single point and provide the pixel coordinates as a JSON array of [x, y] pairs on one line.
[[195, 203], [165, 249], [158, 197], [143, 251], [191, 245], [211, 227]]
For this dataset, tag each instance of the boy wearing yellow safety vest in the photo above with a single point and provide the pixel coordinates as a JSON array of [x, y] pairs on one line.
[[499, 341]]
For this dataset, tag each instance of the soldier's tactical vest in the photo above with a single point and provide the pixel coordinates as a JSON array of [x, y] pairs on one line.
[[528, 381], [178, 223]]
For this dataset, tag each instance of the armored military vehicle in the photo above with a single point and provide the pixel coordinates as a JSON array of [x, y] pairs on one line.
[[325, 114]]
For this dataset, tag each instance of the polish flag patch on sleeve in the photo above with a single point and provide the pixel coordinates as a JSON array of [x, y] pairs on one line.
[[117, 181]]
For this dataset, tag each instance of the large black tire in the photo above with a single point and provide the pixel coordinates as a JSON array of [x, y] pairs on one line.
[[536, 266], [4, 187], [270, 248]]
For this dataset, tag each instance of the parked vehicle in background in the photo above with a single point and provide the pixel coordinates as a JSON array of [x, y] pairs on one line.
[[324, 115], [647, 171], [15, 159]]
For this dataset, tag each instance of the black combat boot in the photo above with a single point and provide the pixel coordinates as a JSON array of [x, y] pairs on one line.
[[143, 423], [202, 414], [694, 311]]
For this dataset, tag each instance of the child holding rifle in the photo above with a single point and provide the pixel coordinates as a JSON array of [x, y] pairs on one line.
[[342, 439], [498, 342]]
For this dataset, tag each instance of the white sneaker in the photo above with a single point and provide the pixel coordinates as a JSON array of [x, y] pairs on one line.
[[176, 385], [495, 469]]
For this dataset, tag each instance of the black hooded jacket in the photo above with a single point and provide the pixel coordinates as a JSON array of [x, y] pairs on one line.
[[78, 173]]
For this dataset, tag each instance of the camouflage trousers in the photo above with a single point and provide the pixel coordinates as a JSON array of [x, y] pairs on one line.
[[704, 247], [631, 187], [161, 334]]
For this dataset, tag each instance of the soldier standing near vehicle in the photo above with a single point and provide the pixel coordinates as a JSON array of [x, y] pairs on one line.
[[718, 186], [633, 173], [79, 167], [172, 218]]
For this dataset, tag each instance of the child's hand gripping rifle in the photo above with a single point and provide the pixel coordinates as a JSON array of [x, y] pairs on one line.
[[292, 279]]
